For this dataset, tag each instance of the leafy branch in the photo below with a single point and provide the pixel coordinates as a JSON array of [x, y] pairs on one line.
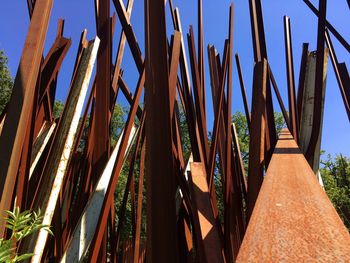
[[21, 225]]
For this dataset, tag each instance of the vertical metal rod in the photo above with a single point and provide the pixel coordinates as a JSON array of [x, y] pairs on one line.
[[139, 204], [316, 123], [200, 53], [279, 98], [228, 222], [161, 213], [293, 115], [257, 142], [302, 76], [243, 91], [260, 53], [100, 129]]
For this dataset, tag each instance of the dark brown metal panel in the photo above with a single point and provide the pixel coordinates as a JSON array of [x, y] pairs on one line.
[[293, 219], [161, 214], [257, 140], [293, 114], [302, 76], [344, 74], [100, 133], [173, 68], [18, 112], [316, 123]]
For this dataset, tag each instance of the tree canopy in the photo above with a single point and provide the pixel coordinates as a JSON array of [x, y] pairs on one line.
[[336, 178], [6, 81]]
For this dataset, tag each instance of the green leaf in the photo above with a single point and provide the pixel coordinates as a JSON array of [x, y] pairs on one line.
[[24, 257]]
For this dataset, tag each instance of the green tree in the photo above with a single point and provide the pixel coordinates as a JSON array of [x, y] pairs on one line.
[[336, 178], [6, 82], [117, 122], [58, 107]]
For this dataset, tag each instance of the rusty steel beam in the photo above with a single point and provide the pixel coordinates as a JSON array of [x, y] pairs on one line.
[[320, 59], [260, 53], [139, 205], [257, 135], [208, 239], [193, 128], [18, 112], [344, 89], [124, 18], [161, 214], [100, 130], [49, 72], [108, 199], [228, 222], [119, 56], [344, 74], [201, 52], [217, 120], [294, 222], [279, 98], [301, 83], [293, 114], [84, 231], [237, 152], [243, 92], [215, 82], [130, 182], [60, 152], [197, 91]]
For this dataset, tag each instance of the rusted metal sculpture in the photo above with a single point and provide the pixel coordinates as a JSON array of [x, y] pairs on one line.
[[43, 164]]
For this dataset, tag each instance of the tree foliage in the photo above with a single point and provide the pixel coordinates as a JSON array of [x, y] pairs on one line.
[[6, 82], [21, 225], [58, 107], [336, 178]]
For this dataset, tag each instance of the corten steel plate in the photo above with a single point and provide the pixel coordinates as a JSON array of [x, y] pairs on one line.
[[293, 219]]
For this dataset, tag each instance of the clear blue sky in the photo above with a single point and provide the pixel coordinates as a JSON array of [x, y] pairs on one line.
[[79, 14]]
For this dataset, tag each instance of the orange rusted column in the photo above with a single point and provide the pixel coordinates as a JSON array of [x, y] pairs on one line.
[[293, 220], [209, 245]]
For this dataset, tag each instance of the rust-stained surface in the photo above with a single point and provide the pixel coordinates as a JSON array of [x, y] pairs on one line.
[[293, 219], [210, 250], [195, 213]]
